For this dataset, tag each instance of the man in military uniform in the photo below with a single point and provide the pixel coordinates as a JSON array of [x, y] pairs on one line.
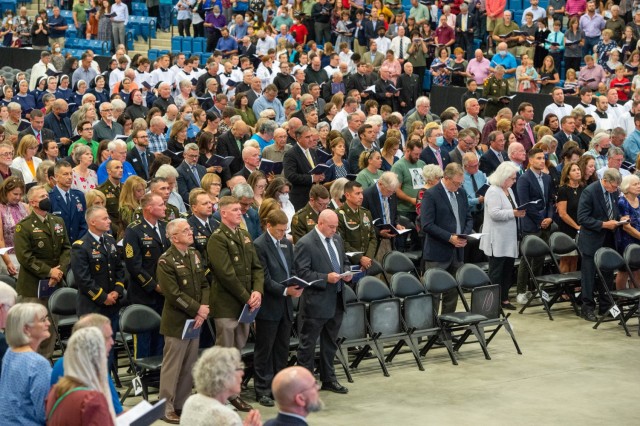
[[43, 251], [144, 242], [160, 186], [306, 218], [355, 226], [494, 88], [111, 190], [238, 279], [68, 203], [182, 280]]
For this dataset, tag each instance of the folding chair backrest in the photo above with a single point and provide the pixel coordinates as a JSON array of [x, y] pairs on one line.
[[632, 256], [438, 281], [485, 301], [418, 311], [375, 268], [135, 319], [533, 246], [371, 288], [63, 302], [353, 322], [470, 276], [561, 243], [395, 261], [607, 259], [349, 295], [384, 316], [403, 284], [70, 280]]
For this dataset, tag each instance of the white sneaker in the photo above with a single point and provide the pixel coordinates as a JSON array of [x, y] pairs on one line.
[[522, 298]]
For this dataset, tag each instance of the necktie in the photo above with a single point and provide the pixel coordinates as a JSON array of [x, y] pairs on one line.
[[157, 228], [334, 261], [454, 205], [474, 183], [67, 198], [530, 132], [401, 55], [38, 138], [607, 199], [309, 159], [207, 227], [143, 156], [463, 21], [499, 155], [195, 174], [243, 225], [386, 211], [556, 38], [284, 260], [239, 145], [541, 186], [102, 244], [439, 158]]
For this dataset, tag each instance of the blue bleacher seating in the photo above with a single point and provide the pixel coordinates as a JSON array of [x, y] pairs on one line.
[[187, 44], [139, 9], [199, 44], [152, 54], [176, 44]]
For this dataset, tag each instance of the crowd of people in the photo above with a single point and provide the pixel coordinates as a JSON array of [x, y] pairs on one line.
[[198, 191]]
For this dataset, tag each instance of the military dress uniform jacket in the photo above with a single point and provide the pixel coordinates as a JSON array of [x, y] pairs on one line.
[[494, 88], [184, 286], [201, 237], [112, 193], [357, 230], [303, 222], [40, 246], [142, 249], [97, 271], [236, 269]]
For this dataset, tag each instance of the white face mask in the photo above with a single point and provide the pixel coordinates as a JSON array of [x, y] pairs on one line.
[[39, 21], [283, 198]]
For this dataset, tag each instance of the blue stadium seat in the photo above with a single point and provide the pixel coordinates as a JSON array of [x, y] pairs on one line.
[[199, 44], [139, 9], [187, 44], [8, 5], [152, 54], [204, 56], [176, 44]]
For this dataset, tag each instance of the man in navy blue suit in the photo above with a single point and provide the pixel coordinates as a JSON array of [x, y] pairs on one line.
[[68, 203], [297, 395], [446, 215], [534, 185], [432, 153]]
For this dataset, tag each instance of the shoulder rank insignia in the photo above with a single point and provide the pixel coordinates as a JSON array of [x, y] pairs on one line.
[[18, 227], [78, 243], [128, 251]]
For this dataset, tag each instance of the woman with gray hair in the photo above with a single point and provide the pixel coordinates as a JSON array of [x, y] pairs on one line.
[[628, 205], [84, 179], [83, 395], [432, 173], [337, 193], [26, 375], [500, 242], [217, 375]]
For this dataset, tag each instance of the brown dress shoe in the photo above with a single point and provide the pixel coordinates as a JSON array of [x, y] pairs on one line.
[[172, 418], [240, 405]]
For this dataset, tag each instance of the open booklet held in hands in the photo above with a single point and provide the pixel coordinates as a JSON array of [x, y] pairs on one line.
[[298, 282], [523, 206]]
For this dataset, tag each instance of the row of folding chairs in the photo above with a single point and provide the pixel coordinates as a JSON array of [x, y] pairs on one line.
[[405, 314]]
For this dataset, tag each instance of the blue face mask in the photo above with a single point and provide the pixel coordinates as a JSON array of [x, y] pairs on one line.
[[440, 140], [502, 53]]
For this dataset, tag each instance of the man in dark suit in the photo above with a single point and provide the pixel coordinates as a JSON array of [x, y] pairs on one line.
[[432, 153], [212, 72], [255, 92], [201, 221], [495, 154], [67, 203], [372, 26], [320, 256], [231, 143], [296, 394], [297, 164], [465, 27], [58, 122], [250, 161], [566, 133], [381, 200], [190, 173], [410, 88], [446, 215], [140, 157], [534, 185], [37, 129], [274, 320], [598, 215]]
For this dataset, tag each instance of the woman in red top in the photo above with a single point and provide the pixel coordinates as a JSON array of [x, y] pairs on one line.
[[621, 84]]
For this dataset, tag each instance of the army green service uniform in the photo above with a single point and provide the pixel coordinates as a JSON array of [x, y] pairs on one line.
[[303, 222], [237, 272], [171, 213], [112, 193], [493, 89], [357, 230]]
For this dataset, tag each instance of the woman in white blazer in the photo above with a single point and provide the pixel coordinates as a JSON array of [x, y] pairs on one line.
[[26, 160], [500, 215]]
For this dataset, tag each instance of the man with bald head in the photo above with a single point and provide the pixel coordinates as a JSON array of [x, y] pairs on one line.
[[294, 124], [250, 160], [320, 256], [491, 124], [296, 394], [231, 143], [275, 152]]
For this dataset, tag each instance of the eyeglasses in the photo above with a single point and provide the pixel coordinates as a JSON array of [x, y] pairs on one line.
[[106, 110], [6, 154], [88, 129], [216, 184]]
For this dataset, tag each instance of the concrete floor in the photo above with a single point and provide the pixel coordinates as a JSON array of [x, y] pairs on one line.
[[569, 374]]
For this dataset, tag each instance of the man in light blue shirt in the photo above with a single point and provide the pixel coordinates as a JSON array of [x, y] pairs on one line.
[[119, 22], [474, 179], [508, 61], [282, 19], [240, 29], [269, 100], [631, 144]]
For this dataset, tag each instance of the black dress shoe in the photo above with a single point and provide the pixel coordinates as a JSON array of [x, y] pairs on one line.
[[508, 306], [334, 387], [240, 405], [265, 401], [589, 315]]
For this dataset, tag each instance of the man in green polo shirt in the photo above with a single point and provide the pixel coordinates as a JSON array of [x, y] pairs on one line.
[[80, 17], [85, 130]]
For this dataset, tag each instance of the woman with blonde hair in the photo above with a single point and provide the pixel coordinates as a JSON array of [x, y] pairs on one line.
[[42, 174], [84, 178], [26, 160], [83, 393], [266, 207], [12, 211], [369, 163], [503, 125], [93, 197], [132, 192], [212, 184], [337, 193], [290, 106]]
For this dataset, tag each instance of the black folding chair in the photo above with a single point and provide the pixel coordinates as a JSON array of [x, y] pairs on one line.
[[562, 244], [353, 334], [386, 325], [414, 255], [624, 303], [417, 310], [8, 279], [485, 300], [549, 288], [136, 319], [395, 261], [437, 282], [62, 306]]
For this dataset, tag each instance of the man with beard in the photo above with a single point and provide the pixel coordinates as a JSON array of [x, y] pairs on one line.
[[296, 394]]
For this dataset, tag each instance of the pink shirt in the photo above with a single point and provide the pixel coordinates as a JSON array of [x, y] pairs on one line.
[[575, 7], [480, 70]]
